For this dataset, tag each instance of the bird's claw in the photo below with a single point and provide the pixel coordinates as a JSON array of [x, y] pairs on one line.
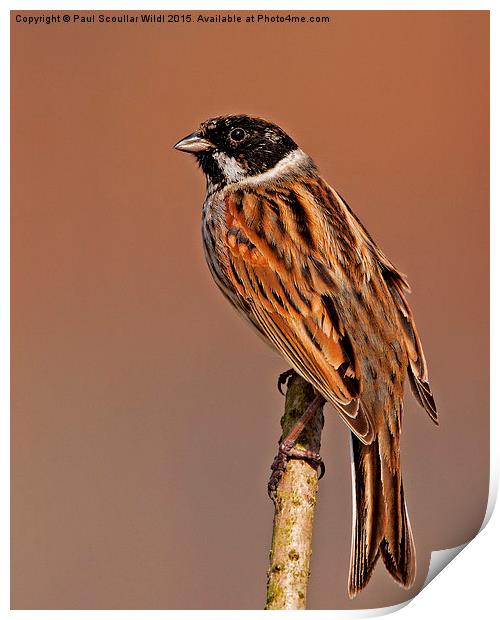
[[283, 379], [285, 453]]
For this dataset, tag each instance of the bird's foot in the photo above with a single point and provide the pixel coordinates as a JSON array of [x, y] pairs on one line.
[[287, 451], [284, 378]]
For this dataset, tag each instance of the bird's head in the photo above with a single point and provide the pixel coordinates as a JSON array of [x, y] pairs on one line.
[[232, 148]]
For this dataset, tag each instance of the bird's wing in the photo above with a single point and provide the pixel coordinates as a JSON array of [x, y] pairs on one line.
[[273, 265], [397, 284], [417, 369]]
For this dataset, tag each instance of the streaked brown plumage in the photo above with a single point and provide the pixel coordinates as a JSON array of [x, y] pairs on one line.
[[290, 255]]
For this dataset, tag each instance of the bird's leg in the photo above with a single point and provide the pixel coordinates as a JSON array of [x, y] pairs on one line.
[[287, 450], [284, 378]]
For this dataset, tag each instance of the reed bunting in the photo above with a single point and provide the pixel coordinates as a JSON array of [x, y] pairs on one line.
[[290, 255]]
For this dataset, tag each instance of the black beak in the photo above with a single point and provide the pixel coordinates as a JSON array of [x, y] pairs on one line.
[[193, 143]]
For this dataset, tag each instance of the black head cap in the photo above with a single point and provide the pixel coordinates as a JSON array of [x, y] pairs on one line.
[[229, 148]]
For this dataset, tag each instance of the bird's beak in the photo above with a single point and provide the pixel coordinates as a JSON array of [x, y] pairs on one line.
[[193, 143]]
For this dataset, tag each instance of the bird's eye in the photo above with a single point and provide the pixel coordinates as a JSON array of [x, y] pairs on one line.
[[237, 135]]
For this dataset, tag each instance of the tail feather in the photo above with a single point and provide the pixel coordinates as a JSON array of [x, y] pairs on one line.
[[380, 522]]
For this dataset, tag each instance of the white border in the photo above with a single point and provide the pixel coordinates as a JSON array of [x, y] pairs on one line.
[[469, 585], [225, 5]]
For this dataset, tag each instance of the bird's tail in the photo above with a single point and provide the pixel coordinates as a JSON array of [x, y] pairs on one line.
[[380, 521]]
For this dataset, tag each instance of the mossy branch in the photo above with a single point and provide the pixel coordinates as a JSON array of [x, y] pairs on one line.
[[291, 550]]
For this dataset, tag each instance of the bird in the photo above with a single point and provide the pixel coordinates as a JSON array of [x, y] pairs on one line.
[[295, 261]]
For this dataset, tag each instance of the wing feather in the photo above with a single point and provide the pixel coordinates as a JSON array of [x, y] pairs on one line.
[[417, 369], [292, 301], [398, 285]]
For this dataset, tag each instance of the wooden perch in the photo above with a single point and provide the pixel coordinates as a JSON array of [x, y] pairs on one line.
[[295, 501]]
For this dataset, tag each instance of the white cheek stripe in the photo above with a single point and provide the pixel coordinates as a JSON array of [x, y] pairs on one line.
[[229, 167], [293, 162]]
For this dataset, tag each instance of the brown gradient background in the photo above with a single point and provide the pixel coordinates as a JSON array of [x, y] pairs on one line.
[[145, 413]]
